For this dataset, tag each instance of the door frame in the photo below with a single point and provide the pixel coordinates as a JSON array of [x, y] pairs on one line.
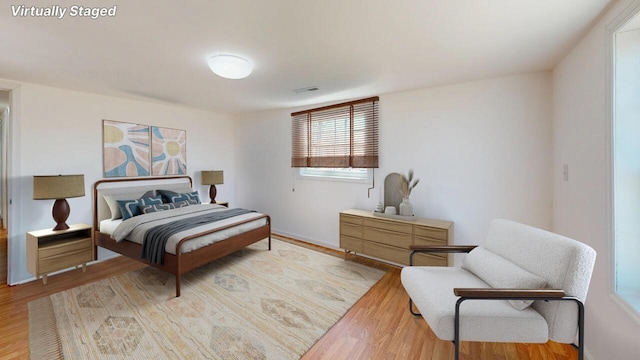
[[11, 130]]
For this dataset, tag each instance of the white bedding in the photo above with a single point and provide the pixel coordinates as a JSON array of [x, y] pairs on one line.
[[107, 226], [110, 226]]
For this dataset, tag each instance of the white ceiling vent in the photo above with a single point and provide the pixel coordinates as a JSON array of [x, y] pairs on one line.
[[306, 90]]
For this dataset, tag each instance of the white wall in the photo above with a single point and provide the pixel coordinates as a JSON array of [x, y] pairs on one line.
[[482, 150], [581, 206], [60, 132]]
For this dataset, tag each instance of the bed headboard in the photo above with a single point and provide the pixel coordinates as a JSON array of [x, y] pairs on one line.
[[131, 188]]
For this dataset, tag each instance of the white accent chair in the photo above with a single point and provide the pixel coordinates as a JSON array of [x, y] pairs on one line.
[[524, 285]]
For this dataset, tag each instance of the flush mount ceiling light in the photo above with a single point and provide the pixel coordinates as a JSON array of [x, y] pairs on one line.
[[230, 66]]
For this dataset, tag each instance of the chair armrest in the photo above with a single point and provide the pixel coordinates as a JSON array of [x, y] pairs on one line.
[[442, 248], [490, 293]]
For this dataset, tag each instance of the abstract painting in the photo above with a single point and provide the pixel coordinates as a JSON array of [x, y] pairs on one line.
[[125, 149], [168, 151]]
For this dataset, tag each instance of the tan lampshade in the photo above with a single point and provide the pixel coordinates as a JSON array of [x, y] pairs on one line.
[[57, 186], [212, 177]]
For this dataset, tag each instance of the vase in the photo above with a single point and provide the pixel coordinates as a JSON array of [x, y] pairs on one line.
[[406, 209]]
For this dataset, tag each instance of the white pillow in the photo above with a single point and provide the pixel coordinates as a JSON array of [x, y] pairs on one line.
[[499, 272]]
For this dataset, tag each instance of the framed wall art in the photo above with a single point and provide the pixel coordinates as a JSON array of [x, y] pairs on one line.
[[168, 151], [125, 149]]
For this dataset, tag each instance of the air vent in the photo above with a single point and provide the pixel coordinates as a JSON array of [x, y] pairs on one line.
[[306, 90]]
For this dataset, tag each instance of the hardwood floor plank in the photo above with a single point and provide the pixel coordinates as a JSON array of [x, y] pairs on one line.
[[379, 326], [3, 256]]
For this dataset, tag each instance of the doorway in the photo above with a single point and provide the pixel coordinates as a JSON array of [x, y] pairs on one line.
[[4, 118]]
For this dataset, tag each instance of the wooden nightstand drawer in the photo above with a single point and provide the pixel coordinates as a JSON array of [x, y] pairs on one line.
[[53, 248], [64, 260]]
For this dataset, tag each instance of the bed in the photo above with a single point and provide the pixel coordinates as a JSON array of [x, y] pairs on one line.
[[183, 250]]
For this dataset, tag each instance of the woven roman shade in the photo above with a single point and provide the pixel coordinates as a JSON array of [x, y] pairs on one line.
[[337, 136]]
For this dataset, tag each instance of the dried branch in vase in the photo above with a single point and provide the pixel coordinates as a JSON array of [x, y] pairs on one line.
[[406, 184]]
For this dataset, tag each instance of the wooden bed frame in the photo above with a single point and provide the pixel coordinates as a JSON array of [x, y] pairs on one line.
[[180, 263]]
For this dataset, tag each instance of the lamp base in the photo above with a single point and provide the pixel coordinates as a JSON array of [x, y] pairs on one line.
[[60, 214], [212, 194]]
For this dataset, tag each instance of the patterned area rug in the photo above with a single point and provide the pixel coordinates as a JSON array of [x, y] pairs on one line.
[[254, 304]]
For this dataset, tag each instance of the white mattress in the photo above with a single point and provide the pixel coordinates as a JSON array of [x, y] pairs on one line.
[[108, 226]]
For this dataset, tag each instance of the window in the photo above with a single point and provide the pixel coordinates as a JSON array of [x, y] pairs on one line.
[[626, 164], [336, 137], [338, 174]]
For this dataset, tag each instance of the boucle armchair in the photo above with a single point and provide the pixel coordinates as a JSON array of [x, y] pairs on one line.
[[524, 285]]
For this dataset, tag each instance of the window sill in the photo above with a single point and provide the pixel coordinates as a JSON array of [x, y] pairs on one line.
[[630, 303]]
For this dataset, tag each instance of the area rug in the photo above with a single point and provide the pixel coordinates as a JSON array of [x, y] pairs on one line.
[[254, 304]]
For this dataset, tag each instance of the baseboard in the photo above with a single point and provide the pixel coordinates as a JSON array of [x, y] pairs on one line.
[[332, 247], [294, 236], [32, 278]]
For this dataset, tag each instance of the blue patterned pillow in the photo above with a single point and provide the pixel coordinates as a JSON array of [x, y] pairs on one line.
[[166, 195], [147, 209], [131, 208], [185, 196], [183, 203]]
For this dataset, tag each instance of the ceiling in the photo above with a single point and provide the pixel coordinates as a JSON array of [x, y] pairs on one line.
[[348, 48]]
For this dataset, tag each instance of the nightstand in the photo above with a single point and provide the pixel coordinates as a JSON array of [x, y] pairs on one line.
[[49, 250], [223, 203]]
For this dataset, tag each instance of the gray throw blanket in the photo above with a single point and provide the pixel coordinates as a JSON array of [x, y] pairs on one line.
[[155, 239]]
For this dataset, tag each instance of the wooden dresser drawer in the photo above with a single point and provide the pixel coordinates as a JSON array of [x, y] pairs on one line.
[[389, 225], [388, 237], [344, 218], [351, 230], [430, 232], [351, 243], [56, 248], [419, 240], [64, 260], [430, 260], [389, 253]]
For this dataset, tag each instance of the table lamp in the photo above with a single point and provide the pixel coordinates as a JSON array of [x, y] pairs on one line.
[[58, 187], [213, 178]]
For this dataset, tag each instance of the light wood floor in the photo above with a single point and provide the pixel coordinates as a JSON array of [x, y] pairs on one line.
[[379, 326]]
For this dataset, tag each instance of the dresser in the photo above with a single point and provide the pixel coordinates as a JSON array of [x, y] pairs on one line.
[[388, 239]]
